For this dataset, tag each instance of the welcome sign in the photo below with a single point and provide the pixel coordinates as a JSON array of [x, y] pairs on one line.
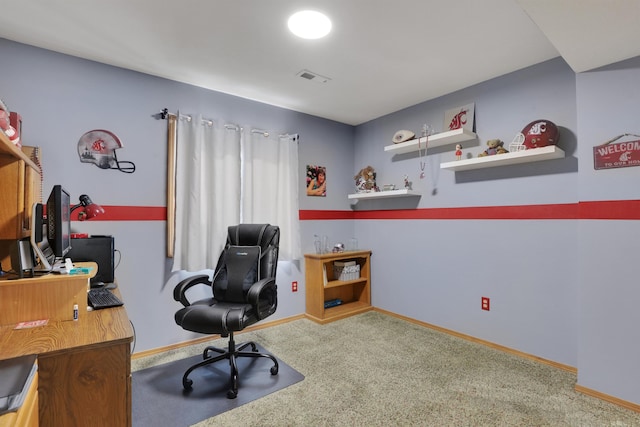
[[612, 155]]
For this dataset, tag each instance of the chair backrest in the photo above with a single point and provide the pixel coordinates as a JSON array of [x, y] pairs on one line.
[[251, 254]]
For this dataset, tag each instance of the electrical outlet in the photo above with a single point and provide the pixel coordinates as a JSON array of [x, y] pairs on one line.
[[294, 286], [486, 303]]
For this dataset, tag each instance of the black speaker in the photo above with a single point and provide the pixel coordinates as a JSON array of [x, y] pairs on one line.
[[22, 259], [98, 249]]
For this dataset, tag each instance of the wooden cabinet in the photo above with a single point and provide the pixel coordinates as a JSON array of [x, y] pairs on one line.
[[20, 187], [322, 285], [84, 366], [87, 386]]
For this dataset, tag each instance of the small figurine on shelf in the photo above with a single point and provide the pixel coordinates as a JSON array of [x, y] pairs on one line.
[[458, 151], [407, 183], [366, 180], [494, 146]]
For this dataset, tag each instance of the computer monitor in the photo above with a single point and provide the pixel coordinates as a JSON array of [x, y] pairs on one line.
[[59, 221]]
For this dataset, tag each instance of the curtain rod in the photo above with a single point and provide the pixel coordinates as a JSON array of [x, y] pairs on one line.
[[164, 114]]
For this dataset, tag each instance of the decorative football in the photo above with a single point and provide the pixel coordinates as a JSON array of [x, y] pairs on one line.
[[402, 136]]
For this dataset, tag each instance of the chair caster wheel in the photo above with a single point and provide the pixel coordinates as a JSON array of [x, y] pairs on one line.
[[232, 394], [274, 370], [187, 383]]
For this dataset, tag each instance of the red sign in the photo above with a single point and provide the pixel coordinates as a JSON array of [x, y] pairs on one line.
[[616, 155]]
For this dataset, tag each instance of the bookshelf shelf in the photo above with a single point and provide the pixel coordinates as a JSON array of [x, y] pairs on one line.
[[322, 286]]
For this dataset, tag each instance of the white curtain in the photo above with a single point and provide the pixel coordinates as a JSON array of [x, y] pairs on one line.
[[207, 191], [270, 187]]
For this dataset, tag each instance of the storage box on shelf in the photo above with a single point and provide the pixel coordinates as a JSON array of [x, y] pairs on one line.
[[346, 270], [329, 297]]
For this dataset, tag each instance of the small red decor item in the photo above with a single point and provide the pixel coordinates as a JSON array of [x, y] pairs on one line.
[[612, 155], [16, 122]]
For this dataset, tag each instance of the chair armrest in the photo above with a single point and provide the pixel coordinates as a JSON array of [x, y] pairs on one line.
[[179, 292], [263, 296]]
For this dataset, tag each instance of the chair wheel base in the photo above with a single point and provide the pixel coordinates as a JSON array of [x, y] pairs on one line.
[[212, 355]]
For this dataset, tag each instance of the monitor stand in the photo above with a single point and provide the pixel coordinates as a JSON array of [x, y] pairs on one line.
[[39, 247], [44, 266]]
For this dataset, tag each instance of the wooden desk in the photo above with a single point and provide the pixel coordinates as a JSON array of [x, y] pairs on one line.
[[84, 367]]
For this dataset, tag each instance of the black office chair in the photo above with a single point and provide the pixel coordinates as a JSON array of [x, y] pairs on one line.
[[244, 292]]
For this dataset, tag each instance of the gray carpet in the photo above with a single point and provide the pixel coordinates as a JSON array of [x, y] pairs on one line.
[[377, 370], [158, 398]]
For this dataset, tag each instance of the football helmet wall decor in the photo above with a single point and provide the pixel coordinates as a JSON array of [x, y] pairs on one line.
[[540, 133], [99, 147]]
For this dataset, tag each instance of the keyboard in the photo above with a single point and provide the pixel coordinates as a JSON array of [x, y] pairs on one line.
[[103, 298]]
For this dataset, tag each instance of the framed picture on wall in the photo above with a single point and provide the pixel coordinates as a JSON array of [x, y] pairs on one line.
[[316, 180], [460, 117]]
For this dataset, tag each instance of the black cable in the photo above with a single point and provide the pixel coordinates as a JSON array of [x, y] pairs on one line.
[[119, 258]]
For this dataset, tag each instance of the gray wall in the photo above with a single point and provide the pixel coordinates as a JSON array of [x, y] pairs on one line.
[[560, 289], [608, 345], [61, 97], [440, 269]]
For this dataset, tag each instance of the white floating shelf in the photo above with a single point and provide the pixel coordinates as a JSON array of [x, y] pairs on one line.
[[385, 194], [450, 137], [526, 156]]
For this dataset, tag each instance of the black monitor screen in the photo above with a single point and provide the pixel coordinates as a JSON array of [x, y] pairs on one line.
[[59, 221]]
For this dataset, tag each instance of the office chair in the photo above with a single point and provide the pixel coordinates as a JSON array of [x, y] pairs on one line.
[[244, 292]]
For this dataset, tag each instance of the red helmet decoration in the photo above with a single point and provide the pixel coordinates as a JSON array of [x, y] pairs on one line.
[[540, 133], [99, 147]]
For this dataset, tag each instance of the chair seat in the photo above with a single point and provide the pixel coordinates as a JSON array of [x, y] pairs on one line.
[[219, 318]]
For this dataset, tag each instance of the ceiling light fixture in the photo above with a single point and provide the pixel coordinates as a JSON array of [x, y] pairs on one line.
[[309, 24]]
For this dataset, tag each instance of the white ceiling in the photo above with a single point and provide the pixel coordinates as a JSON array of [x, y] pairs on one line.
[[381, 55]]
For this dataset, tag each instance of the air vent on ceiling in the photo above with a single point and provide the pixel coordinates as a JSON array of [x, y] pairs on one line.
[[311, 76]]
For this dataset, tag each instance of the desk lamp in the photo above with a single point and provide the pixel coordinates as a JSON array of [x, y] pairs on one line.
[[91, 210]]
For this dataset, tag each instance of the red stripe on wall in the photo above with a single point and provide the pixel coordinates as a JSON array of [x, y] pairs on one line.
[[131, 213], [614, 210], [561, 211], [325, 215], [558, 211]]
